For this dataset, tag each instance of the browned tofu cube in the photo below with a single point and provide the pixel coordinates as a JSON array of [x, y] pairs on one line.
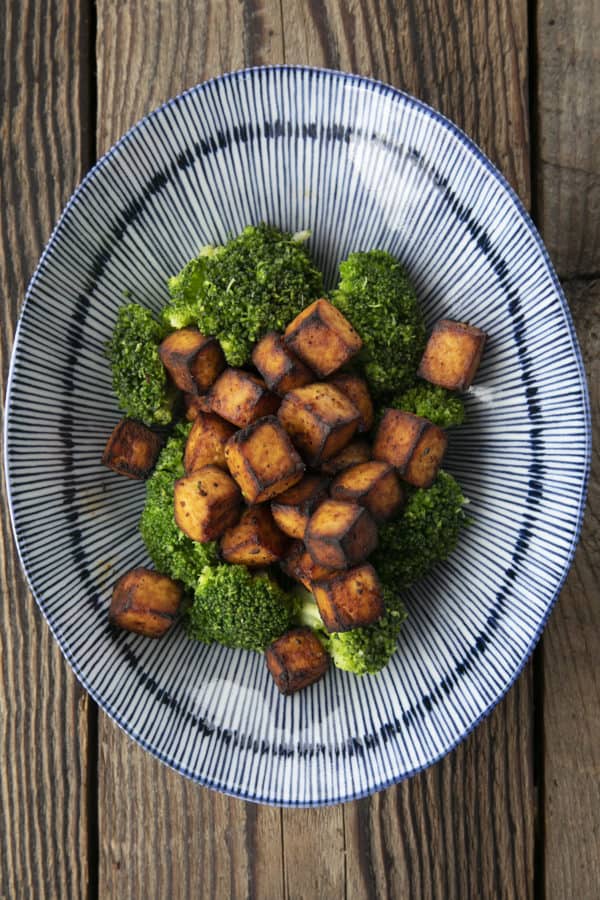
[[350, 599], [355, 388], [132, 449], [292, 509], [263, 460], [206, 503], [280, 368], [145, 602], [412, 444], [319, 419], [296, 659], [241, 398], [192, 360], [255, 540], [205, 445], [322, 337], [195, 403], [452, 355], [299, 565], [373, 485], [357, 451], [340, 534]]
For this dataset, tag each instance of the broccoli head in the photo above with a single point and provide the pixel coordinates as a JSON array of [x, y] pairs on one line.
[[435, 403], [172, 552], [138, 376], [375, 294], [238, 608], [257, 282], [426, 533]]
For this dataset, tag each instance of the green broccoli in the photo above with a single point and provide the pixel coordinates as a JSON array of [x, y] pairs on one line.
[[426, 533], [257, 282], [171, 551], [238, 608], [435, 403], [139, 379], [375, 294]]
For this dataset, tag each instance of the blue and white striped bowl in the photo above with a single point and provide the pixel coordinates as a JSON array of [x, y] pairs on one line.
[[362, 165]]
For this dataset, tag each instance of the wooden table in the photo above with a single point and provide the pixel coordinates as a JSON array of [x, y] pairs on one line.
[[515, 811]]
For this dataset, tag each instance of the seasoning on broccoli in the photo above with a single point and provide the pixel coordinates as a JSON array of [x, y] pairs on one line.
[[435, 403], [138, 376], [377, 297], [256, 283], [171, 551], [426, 533], [238, 608]]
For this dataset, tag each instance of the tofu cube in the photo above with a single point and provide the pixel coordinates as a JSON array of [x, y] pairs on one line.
[[205, 445], [350, 599], [322, 337], [263, 460], [373, 485], [412, 444], [319, 419], [357, 451], [340, 534], [255, 540], [296, 660], [192, 360], [132, 449], [241, 398], [195, 403], [292, 509], [145, 602], [355, 388], [452, 355], [280, 368], [299, 565], [206, 503]]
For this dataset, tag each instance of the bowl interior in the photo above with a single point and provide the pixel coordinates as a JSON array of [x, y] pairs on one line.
[[362, 166]]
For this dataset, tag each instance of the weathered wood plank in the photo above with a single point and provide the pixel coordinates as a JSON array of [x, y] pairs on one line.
[[43, 711], [161, 835], [568, 151]]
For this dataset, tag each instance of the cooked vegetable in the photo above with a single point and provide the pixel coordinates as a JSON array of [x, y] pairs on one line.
[[413, 445], [375, 294], [426, 533], [356, 389], [145, 602], [373, 485], [431, 402], [296, 659], [293, 508], [192, 360], [237, 293], [350, 599], [256, 540], [263, 460], [322, 337], [241, 398], [319, 419], [238, 608], [340, 534], [206, 443], [280, 368], [139, 378], [452, 355], [131, 450], [207, 502]]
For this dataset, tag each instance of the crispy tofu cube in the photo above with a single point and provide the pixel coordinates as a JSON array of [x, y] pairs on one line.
[[280, 368], [206, 503], [263, 460], [319, 419], [322, 337], [357, 451], [292, 509], [340, 534], [195, 403], [299, 565], [355, 388], [412, 444], [192, 360], [205, 445], [452, 355], [373, 485], [296, 659], [255, 540], [132, 449], [350, 599], [145, 602], [241, 398]]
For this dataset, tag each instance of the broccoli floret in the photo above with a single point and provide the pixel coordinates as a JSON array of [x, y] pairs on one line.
[[238, 608], [377, 297], [171, 551], [426, 533], [257, 282], [139, 379], [435, 403]]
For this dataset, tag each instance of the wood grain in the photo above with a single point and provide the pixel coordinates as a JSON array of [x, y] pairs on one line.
[[568, 151], [43, 711]]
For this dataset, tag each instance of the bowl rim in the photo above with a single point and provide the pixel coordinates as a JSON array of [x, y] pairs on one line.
[[396, 94]]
